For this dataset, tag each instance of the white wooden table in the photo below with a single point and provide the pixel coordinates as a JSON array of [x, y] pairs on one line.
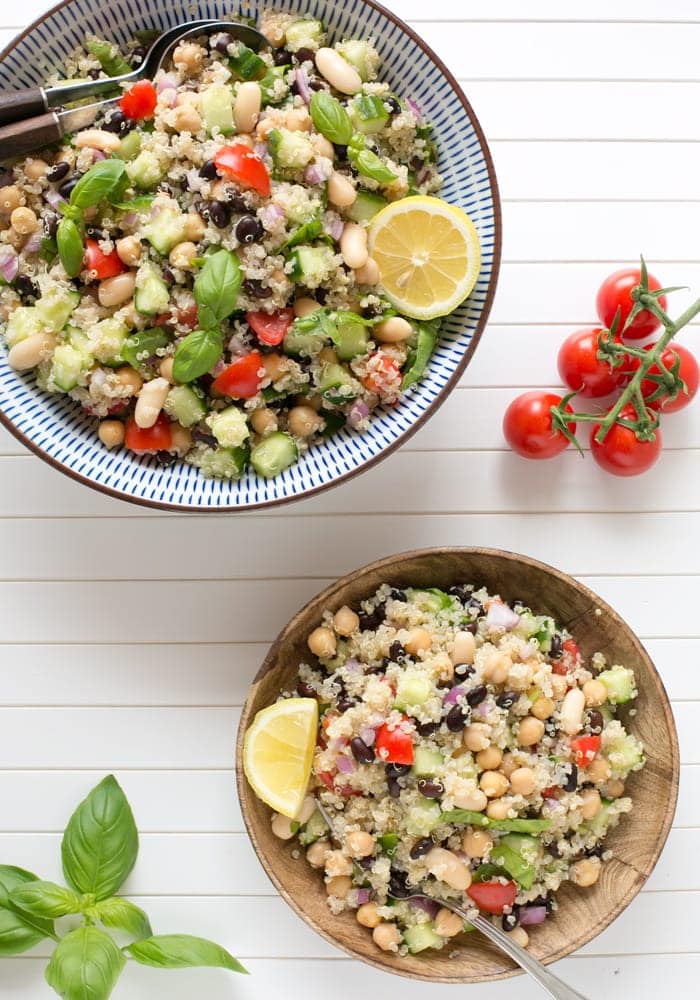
[[129, 638]]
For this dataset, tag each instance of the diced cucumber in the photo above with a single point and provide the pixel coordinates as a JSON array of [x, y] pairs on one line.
[[166, 229], [247, 65], [186, 405], [419, 937], [314, 828], [414, 687], [431, 599], [365, 206], [290, 150], [620, 684], [360, 54], [55, 308], [352, 337], [273, 86], [420, 354], [229, 427], [130, 146], [139, 347], [145, 171], [426, 762], [625, 753], [388, 843], [106, 340], [336, 384], [304, 34], [217, 109], [274, 454], [602, 819], [24, 322], [368, 113], [303, 340], [312, 265], [519, 854], [66, 367], [226, 463], [152, 295], [422, 818], [78, 339]]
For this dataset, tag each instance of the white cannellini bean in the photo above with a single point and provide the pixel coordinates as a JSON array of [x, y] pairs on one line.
[[246, 107], [463, 648], [447, 867], [30, 351], [150, 401], [308, 808], [341, 192], [392, 330], [369, 273], [571, 716], [114, 291], [353, 245], [339, 73], [96, 138]]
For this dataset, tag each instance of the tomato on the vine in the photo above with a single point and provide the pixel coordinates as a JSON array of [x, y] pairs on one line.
[[528, 428], [614, 294], [688, 371], [621, 452], [581, 368]]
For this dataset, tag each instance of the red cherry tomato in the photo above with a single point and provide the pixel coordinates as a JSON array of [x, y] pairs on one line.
[[570, 647], [582, 370], [101, 265], [621, 452], [527, 425], [394, 746], [614, 293], [551, 792], [384, 377], [239, 163], [585, 748], [493, 897], [689, 371], [270, 328], [139, 102], [242, 379], [149, 439]]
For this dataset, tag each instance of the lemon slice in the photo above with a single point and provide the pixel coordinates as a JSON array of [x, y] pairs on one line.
[[278, 752], [428, 255]]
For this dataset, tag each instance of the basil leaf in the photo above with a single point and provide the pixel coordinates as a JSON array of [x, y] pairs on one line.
[[420, 356], [139, 347], [70, 247], [85, 966], [108, 57], [181, 951], [122, 916], [304, 234], [101, 842], [216, 288], [18, 931], [104, 179], [45, 899], [369, 165], [330, 118], [197, 354]]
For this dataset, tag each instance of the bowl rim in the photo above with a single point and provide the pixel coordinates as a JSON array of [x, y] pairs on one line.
[[428, 412], [325, 597]]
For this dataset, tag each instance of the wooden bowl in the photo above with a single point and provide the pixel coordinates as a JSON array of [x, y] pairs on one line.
[[636, 842]]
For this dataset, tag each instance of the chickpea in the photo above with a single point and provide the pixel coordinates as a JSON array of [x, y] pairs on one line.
[[520, 936], [339, 886], [190, 97], [614, 789], [392, 330], [328, 356], [359, 844], [368, 916], [129, 250], [447, 867], [559, 686], [314, 401], [15, 239], [598, 771], [195, 227], [165, 369], [595, 693], [523, 781], [477, 736], [496, 667], [345, 621], [493, 784], [305, 306], [585, 872], [387, 937], [476, 843], [419, 640], [35, 169], [509, 764], [10, 199], [282, 827], [530, 731], [303, 421], [182, 255], [317, 853], [188, 57], [442, 667], [111, 433], [181, 439], [472, 799], [186, 118], [129, 379], [448, 924], [490, 758], [276, 366], [591, 803], [322, 643], [263, 421], [543, 708], [463, 648], [338, 864], [499, 808], [24, 221]]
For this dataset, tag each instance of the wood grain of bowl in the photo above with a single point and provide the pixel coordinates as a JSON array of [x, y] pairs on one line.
[[636, 843]]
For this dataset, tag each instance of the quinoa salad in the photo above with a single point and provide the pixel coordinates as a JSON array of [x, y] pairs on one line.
[[193, 268], [466, 751]]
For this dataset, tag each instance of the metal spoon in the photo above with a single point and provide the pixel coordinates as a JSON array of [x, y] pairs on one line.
[[551, 984]]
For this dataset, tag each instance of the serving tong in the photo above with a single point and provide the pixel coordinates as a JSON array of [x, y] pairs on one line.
[[29, 119], [551, 984]]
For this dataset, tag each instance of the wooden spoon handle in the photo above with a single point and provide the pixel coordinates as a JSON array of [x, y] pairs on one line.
[[24, 137], [16, 105]]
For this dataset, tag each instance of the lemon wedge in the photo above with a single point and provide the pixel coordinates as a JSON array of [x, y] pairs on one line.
[[428, 255], [278, 753]]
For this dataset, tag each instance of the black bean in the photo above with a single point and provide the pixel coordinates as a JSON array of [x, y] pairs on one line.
[[398, 884], [546, 901], [397, 595], [397, 770], [394, 106], [168, 276], [219, 213], [281, 57], [461, 591], [340, 151], [553, 850], [556, 647], [464, 670], [317, 85], [571, 783], [421, 848], [416, 163], [304, 55], [364, 863], [26, 287], [594, 852], [360, 751], [116, 122], [372, 619], [376, 668], [476, 695], [431, 789], [208, 171], [596, 721], [95, 234], [165, 458], [507, 699], [6, 178], [509, 921], [394, 788], [427, 728], [222, 43], [255, 289], [137, 56], [204, 438], [397, 651], [58, 172], [305, 690], [471, 627], [320, 294], [66, 188], [50, 225], [345, 703], [457, 718], [249, 229], [475, 608], [94, 73], [237, 202]]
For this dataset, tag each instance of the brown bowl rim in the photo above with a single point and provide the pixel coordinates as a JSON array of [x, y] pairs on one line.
[[415, 425], [325, 597]]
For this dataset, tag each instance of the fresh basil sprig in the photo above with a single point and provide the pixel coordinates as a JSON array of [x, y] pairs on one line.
[[216, 288], [330, 118], [70, 247], [368, 163], [99, 850], [106, 179], [197, 354]]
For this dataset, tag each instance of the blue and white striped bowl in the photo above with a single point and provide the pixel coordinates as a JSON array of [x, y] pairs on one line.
[[62, 434]]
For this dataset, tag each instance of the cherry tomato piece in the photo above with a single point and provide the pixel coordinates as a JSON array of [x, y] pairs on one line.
[[102, 265], [384, 376], [614, 293], [585, 748], [327, 778], [394, 746], [582, 370], [139, 102], [527, 425], [689, 372], [621, 452], [270, 328], [551, 792], [242, 379], [239, 163], [493, 897], [149, 439]]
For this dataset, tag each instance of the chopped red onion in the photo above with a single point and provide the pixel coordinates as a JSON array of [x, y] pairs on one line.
[[362, 896], [353, 666], [33, 244], [453, 695], [422, 176], [484, 709], [97, 155], [54, 199], [416, 109], [334, 227], [9, 263], [368, 736], [166, 82], [337, 743], [218, 367], [358, 413], [531, 915], [260, 149], [237, 345], [501, 616], [427, 905], [346, 765], [269, 215], [301, 78], [130, 219], [195, 181], [317, 173]]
